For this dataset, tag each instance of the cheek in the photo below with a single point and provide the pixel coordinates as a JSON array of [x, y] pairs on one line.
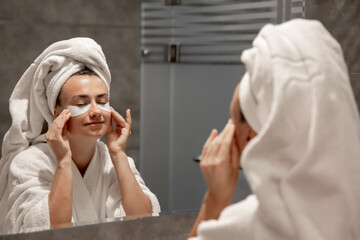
[[107, 118], [240, 138], [74, 123]]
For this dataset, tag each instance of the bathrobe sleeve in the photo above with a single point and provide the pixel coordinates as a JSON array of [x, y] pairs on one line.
[[235, 222], [114, 206], [30, 177]]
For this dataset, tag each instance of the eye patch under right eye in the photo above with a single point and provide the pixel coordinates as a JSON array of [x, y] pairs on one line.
[[79, 110]]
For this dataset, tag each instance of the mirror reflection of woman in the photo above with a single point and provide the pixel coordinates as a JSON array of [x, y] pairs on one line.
[[67, 175]]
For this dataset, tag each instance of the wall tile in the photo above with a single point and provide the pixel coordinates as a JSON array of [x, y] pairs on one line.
[[105, 13], [341, 18]]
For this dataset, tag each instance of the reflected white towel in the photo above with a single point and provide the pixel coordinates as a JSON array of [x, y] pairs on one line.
[[303, 166]]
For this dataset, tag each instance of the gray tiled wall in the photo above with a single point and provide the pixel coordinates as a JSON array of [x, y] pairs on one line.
[[342, 19], [28, 27]]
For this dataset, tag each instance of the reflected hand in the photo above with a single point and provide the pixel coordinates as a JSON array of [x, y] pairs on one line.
[[220, 165], [116, 139], [56, 136]]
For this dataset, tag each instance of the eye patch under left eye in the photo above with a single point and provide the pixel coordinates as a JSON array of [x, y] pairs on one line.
[[79, 110], [105, 107]]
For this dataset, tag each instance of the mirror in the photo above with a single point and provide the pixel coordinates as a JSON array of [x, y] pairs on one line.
[[189, 70], [181, 100], [28, 28]]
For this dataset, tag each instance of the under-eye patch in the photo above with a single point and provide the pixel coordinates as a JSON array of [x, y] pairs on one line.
[[105, 107], [78, 110]]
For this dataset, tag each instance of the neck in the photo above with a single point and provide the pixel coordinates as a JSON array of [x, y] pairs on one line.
[[82, 152]]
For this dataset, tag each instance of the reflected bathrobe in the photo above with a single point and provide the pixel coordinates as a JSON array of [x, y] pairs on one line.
[[96, 195], [303, 166]]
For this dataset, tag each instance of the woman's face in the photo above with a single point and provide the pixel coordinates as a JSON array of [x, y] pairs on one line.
[[243, 131], [80, 90]]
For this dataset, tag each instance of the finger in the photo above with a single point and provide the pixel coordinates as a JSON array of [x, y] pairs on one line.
[[213, 149], [128, 121], [227, 137], [57, 126], [128, 116], [110, 126], [65, 115], [60, 121], [222, 132], [64, 130], [117, 118], [211, 137]]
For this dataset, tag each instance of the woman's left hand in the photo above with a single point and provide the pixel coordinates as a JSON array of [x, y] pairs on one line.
[[116, 139], [220, 165], [134, 200]]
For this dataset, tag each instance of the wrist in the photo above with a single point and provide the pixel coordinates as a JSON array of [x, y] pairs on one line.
[[118, 157], [62, 155], [65, 162], [217, 204]]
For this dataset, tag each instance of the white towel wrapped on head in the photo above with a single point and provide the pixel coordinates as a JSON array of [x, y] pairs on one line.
[[303, 166]]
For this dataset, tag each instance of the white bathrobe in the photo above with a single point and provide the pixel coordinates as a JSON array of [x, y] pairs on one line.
[[96, 196], [303, 167]]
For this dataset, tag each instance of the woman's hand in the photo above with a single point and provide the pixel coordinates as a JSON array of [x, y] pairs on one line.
[[60, 196], [56, 136], [134, 200], [116, 139], [220, 165]]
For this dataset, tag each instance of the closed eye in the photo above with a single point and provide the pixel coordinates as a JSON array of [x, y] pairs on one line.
[[81, 104]]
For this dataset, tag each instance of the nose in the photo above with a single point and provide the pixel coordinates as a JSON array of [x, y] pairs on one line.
[[94, 110]]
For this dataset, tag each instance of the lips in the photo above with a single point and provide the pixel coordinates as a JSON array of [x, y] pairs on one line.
[[94, 123]]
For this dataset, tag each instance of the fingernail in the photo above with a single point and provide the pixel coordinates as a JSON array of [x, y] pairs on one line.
[[229, 121]]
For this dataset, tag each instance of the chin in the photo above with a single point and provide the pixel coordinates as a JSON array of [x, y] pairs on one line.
[[95, 134]]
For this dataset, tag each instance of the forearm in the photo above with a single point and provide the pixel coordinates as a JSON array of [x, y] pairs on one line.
[[134, 200], [210, 209], [60, 197]]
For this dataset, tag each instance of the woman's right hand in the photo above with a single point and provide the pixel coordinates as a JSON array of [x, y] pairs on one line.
[[56, 136]]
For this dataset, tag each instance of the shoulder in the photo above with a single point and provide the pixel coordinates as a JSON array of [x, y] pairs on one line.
[[246, 207], [32, 160], [33, 154]]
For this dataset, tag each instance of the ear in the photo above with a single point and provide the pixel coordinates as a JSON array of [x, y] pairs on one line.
[[251, 134], [56, 113]]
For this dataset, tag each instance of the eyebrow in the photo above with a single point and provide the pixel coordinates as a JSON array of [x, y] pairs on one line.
[[87, 96]]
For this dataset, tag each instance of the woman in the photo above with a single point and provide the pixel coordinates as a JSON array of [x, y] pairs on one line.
[[67, 175], [299, 146]]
